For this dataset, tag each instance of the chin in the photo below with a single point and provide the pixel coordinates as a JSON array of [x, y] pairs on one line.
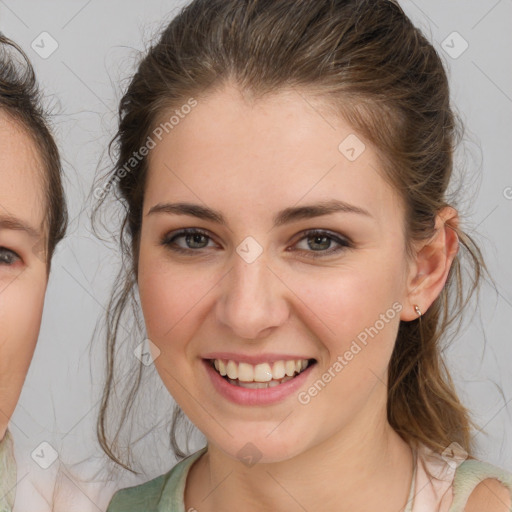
[[260, 448]]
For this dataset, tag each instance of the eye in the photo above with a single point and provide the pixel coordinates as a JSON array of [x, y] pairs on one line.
[[8, 257], [191, 236], [196, 239], [322, 240]]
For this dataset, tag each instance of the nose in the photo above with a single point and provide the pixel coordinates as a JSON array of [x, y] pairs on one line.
[[254, 299]]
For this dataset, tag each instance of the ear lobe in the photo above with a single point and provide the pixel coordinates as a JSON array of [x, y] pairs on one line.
[[433, 262]]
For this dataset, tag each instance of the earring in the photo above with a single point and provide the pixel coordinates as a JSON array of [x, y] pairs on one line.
[[417, 309]]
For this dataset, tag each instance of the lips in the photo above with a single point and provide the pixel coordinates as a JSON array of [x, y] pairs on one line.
[[257, 393]]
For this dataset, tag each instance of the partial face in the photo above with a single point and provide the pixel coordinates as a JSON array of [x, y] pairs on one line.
[[23, 275], [254, 295]]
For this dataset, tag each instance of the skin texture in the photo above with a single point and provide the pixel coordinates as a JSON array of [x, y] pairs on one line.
[[250, 160], [23, 273], [490, 495]]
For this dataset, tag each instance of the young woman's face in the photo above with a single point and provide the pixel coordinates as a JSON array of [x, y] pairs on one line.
[[253, 290], [23, 276]]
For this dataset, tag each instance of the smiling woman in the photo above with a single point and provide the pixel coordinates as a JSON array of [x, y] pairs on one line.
[[32, 221], [293, 234]]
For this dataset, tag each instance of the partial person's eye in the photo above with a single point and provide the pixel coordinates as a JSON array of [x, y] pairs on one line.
[[321, 238], [8, 257]]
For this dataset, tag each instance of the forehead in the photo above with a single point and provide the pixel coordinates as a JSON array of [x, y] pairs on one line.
[[22, 192], [277, 151]]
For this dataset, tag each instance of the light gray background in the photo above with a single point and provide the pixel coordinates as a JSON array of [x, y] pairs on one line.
[[98, 46]]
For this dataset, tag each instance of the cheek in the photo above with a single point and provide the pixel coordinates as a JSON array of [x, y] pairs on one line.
[[355, 314], [349, 298], [21, 308], [167, 296], [167, 300], [354, 310]]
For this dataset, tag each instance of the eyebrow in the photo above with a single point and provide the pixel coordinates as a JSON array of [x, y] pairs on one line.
[[286, 216], [13, 223]]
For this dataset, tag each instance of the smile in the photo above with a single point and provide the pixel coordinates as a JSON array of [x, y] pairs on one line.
[[259, 376]]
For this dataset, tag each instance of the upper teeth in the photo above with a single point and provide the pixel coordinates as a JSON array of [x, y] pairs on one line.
[[263, 372]]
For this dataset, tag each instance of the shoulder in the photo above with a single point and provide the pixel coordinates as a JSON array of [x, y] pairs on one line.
[[490, 495], [481, 486], [140, 497], [165, 490]]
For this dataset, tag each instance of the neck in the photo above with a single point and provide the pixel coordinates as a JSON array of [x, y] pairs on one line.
[[365, 466]]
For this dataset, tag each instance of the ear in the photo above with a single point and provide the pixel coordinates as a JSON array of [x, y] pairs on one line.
[[429, 271]]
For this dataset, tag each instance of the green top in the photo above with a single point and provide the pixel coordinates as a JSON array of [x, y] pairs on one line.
[[166, 492], [7, 473]]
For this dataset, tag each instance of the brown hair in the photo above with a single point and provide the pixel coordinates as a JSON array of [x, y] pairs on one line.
[[372, 66], [21, 100]]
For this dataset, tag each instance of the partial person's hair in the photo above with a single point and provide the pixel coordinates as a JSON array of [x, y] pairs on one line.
[[373, 68], [22, 101]]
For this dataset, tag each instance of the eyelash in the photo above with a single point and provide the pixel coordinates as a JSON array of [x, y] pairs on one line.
[[343, 243], [11, 254]]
